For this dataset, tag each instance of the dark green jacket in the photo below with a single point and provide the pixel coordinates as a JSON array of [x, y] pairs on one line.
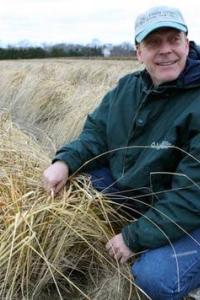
[[153, 135]]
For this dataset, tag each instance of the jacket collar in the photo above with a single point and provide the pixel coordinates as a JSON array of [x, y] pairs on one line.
[[191, 73]]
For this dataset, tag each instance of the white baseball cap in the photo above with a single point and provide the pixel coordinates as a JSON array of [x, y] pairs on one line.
[[158, 17]]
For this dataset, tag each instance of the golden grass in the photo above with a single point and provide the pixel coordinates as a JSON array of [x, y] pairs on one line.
[[53, 245], [51, 98]]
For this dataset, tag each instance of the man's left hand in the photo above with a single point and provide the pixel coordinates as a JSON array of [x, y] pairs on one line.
[[117, 248]]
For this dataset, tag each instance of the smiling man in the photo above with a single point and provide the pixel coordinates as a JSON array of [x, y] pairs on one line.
[[146, 132]]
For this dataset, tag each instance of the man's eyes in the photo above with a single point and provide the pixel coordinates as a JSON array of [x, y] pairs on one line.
[[152, 43], [157, 42], [176, 39]]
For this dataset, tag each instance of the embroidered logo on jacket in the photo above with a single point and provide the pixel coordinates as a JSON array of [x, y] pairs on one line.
[[163, 145]]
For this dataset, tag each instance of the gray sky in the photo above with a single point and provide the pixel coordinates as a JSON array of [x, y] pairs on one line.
[[81, 21]]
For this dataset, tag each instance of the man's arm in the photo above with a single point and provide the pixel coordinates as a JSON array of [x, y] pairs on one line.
[[91, 143], [176, 212]]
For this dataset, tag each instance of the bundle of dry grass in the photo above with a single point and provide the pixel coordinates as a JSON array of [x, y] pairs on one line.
[[56, 95], [52, 245]]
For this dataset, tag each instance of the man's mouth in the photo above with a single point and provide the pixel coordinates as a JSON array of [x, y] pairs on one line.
[[166, 63]]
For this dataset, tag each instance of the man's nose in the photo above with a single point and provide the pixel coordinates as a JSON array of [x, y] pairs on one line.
[[165, 47]]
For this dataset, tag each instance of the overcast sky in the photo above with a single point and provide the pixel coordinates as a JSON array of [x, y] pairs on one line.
[[81, 21]]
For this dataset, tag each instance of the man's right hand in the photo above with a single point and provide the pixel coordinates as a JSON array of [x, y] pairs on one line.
[[55, 177]]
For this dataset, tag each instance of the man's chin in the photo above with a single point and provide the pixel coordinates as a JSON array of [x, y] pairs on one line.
[[166, 78]]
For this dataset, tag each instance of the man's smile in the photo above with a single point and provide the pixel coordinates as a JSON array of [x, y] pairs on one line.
[[166, 63]]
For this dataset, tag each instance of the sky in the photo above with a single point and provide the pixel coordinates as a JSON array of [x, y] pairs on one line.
[[82, 21]]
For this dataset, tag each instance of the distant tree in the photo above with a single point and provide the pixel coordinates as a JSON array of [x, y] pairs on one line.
[[124, 49], [19, 53], [66, 50]]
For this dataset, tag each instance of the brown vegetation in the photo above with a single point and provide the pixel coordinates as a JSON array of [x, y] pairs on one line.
[[50, 245], [51, 98]]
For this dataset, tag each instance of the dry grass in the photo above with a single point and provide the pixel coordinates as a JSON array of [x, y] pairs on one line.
[[51, 98], [49, 245]]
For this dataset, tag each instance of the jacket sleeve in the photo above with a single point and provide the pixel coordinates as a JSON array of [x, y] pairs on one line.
[[177, 210], [91, 142]]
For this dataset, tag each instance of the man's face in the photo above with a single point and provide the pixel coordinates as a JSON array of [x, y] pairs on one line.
[[164, 53]]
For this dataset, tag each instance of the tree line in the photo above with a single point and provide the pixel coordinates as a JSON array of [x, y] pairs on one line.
[[67, 50]]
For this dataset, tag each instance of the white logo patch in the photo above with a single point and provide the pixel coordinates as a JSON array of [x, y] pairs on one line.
[[163, 145]]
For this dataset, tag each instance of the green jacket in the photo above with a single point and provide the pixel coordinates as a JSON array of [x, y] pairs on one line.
[[150, 139]]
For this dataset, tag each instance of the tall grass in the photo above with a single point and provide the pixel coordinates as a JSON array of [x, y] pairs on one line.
[[51, 98], [52, 245]]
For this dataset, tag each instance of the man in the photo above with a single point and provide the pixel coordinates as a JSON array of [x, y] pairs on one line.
[[146, 135]]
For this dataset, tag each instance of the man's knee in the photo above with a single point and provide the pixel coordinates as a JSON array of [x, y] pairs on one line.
[[153, 279], [146, 279]]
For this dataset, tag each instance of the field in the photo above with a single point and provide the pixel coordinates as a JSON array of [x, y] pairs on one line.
[[51, 98], [53, 248]]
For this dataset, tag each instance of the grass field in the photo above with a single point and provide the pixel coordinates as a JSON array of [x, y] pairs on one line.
[[54, 248], [51, 98]]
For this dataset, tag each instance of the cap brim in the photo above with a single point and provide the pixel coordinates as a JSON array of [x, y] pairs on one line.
[[154, 26]]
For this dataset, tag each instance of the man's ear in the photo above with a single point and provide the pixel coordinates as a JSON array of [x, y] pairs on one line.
[[187, 45], [139, 53]]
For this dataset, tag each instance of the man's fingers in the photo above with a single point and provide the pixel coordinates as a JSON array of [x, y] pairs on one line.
[[111, 252], [123, 259], [108, 245], [47, 184], [59, 186], [49, 187], [52, 191], [118, 249], [117, 254], [114, 252]]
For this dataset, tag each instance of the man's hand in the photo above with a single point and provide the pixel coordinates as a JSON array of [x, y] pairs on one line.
[[118, 249], [55, 177]]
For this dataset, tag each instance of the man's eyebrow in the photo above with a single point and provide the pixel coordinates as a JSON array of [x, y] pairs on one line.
[[152, 37]]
